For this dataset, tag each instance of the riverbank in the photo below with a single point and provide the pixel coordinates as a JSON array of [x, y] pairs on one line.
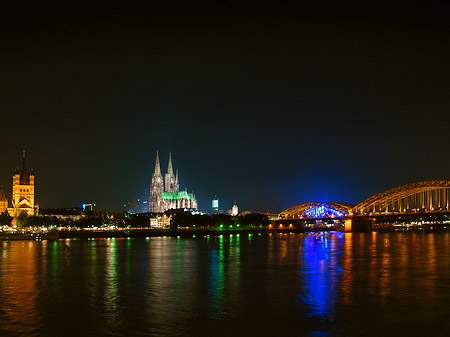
[[29, 236], [135, 233], [180, 233], [184, 233]]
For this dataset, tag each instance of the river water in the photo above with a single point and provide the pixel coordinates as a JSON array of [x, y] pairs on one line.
[[352, 284]]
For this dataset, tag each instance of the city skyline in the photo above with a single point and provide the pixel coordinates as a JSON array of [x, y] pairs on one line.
[[266, 104]]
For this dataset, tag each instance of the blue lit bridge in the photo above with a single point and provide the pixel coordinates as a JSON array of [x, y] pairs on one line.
[[424, 197]]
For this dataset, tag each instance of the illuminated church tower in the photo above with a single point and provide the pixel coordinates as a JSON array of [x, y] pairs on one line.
[[3, 200], [171, 181], [22, 191], [156, 189], [165, 194]]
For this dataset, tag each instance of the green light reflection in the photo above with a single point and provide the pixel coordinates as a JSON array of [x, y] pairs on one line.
[[128, 263], [111, 295], [179, 265], [93, 262], [55, 261], [217, 276]]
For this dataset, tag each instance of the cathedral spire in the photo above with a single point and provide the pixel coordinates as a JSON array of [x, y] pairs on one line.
[[170, 168], [176, 177], [157, 166]]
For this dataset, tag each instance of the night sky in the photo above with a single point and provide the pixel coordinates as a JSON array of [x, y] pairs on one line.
[[259, 102]]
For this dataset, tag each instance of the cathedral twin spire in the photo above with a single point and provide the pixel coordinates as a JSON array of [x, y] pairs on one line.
[[171, 181], [169, 168]]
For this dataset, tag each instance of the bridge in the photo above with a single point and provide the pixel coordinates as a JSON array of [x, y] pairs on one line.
[[317, 210], [419, 198]]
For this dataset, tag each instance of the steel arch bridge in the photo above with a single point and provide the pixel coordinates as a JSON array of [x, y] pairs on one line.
[[317, 210], [423, 196]]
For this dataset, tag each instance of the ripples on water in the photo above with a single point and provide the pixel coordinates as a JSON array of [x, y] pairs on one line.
[[371, 284]]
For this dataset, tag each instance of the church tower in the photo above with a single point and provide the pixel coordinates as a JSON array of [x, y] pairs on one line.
[[22, 191], [3, 200], [171, 181], [156, 189]]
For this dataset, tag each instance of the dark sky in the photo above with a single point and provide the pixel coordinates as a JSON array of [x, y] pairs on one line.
[[265, 103]]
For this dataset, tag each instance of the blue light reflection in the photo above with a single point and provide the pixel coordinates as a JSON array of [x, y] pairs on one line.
[[320, 274]]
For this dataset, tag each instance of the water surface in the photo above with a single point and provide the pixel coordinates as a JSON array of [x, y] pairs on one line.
[[353, 284]]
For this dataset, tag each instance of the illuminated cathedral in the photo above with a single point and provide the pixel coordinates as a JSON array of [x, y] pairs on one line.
[[22, 193], [165, 192]]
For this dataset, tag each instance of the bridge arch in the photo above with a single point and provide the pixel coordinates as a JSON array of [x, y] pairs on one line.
[[317, 210], [429, 195]]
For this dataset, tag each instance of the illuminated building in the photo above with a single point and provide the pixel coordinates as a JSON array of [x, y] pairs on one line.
[[22, 191], [89, 207], [160, 222], [215, 204], [3, 200], [165, 193], [235, 209]]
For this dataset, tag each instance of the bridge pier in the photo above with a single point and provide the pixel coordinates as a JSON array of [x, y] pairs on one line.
[[358, 225]]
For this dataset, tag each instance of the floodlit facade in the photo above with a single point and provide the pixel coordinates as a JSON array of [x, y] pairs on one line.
[[22, 192], [215, 204], [165, 193], [160, 222], [235, 210]]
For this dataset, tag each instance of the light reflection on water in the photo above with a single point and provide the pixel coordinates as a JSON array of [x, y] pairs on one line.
[[320, 274], [335, 284]]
